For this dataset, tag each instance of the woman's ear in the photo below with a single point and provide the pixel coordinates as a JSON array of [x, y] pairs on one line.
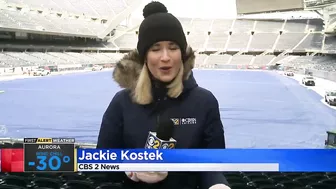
[[145, 59]]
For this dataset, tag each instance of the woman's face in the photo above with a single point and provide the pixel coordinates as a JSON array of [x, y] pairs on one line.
[[164, 60]]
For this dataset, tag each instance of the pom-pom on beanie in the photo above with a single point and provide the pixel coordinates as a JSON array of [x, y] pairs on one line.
[[159, 25]]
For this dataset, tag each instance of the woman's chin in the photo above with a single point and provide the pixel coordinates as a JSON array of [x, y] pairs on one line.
[[166, 78]]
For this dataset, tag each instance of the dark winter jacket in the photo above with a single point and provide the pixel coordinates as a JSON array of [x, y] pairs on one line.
[[126, 124]]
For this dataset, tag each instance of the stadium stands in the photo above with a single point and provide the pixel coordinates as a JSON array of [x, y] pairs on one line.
[[48, 23], [8, 61], [90, 8], [288, 41], [256, 35], [73, 17], [243, 26], [127, 41], [311, 42], [221, 25], [236, 43], [326, 63], [246, 41], [263, 60], [24, 59], [262, 41], [217, 41], [295, 26], [200, 59], [223, 35], [241, 60], [268, 26]]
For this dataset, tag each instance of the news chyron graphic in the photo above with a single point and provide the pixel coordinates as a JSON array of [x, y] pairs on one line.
[[153, 142], [49, 154]]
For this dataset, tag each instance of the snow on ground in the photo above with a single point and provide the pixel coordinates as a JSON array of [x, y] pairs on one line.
[[259, 109], [21, 76], [321, 86]]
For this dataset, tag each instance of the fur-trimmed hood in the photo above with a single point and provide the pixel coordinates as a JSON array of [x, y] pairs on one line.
[[128, 70]]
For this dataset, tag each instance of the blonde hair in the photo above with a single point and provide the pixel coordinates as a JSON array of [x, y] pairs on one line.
[[175, 88], [143, 91]]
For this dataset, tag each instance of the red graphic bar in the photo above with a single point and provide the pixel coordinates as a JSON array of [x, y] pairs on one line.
[[12, 160]]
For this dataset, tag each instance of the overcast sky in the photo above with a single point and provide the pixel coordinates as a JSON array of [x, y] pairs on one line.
[[210, 9], [197, 8]]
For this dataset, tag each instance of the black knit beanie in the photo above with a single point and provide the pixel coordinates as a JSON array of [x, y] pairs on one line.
[[159, 25]]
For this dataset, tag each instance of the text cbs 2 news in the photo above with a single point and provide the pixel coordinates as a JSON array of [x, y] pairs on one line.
[[98, 166]]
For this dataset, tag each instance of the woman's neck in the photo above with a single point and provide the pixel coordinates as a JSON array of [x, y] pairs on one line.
[[159, 89]]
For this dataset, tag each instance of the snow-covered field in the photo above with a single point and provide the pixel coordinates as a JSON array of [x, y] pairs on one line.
[[21, 76], [321, 86], [259, 109]]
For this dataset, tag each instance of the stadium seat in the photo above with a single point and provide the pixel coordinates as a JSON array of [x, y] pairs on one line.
[[269, 187], [46, 175], [293, 175], [75, 184], [98, 179], [72, 176], [329, 181], [304, 180], [330, 175], [254, 176], [279, 178], [273, 180], [317, 177], [14, 180], [236, 180], [6, 186], [262, 183], [321, 186], [46, 182], [110, 186]]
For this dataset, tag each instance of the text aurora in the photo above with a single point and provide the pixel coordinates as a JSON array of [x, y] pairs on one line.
[[124, 155]]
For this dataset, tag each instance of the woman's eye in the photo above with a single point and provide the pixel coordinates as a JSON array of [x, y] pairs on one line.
[[173, 47]]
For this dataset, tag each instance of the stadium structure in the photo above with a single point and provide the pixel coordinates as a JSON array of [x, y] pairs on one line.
[[73, 35], [70, 35]]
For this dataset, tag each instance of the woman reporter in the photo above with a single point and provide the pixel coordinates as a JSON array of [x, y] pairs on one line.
[[158, 83]]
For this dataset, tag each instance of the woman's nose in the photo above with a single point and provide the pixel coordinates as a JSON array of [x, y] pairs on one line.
[[165, 55]]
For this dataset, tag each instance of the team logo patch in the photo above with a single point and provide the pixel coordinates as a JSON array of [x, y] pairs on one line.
[[176, 121], [184, 121]]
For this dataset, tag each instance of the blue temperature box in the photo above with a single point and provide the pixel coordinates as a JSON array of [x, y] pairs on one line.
[[49, 155]]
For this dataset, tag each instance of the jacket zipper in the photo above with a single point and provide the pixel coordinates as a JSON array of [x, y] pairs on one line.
[[158, 116], [158, 120], [160, 111]]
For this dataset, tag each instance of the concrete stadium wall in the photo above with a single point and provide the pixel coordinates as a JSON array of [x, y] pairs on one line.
[[324, 74], [257, 6], [331, 76]]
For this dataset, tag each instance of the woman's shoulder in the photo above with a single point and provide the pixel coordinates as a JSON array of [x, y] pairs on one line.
[[121, 96], [204, 97], [204, 93], [122, 93]]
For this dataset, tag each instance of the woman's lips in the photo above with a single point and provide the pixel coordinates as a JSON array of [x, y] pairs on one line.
[[165, 69]]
